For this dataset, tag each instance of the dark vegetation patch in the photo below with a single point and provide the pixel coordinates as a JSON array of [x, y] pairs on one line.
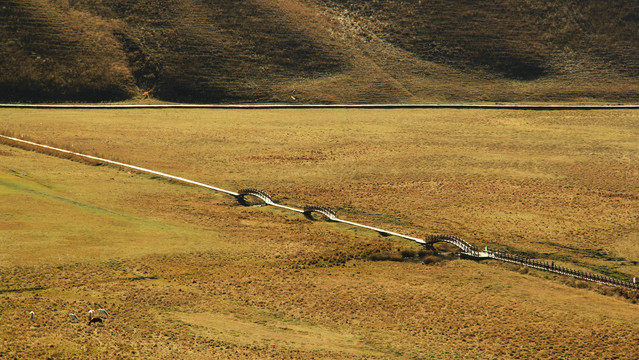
[[513, 39], [142, 277], [20, 290], [425, 256]]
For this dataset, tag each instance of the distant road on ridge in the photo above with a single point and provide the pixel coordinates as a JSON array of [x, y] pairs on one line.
[[322, 106]]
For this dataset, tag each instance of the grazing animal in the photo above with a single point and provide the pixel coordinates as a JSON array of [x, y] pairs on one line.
[[31, 314], [74, 317], [103, 312], [91, 312], [95, 320]]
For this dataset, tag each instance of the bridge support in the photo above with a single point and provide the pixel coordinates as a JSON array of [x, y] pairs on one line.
[[478, 255], [429, 246]]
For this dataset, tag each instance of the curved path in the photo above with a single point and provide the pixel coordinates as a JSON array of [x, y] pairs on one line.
[[466, 249]]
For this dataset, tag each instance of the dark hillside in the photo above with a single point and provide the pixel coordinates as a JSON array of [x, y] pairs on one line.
[[515, 39], [53, 53], [325, 50], [213, 51]]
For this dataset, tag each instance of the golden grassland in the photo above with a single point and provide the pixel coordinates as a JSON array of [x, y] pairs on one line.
[[189, 273]]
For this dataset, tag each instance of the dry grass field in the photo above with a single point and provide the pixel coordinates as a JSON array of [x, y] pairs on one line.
[[187, 273]]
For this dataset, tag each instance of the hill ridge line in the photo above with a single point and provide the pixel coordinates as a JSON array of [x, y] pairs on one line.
[[324, 106]]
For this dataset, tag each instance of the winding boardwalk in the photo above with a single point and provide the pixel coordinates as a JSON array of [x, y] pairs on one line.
[[466, 249]]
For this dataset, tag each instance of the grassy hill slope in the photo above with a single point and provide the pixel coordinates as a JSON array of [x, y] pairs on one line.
[[325, 50]]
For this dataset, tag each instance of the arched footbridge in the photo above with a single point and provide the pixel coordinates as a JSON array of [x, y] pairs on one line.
[[466, 249]]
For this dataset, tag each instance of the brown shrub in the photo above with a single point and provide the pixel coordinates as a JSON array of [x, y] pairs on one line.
[[408, 253], [432, 259]]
